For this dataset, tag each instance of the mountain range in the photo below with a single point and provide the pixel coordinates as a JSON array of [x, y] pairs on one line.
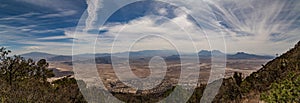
[[167, 54], [238, 55], [38, 55]]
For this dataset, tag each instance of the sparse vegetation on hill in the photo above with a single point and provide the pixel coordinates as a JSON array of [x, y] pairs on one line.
[[287, 91], [23, 80], [272, 83]]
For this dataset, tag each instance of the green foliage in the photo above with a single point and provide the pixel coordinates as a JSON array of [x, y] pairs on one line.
[[275, 71], [143, 98], [238, 78], [16, 68], [275, 81], [26, 81], [66, 89], [229, 91], [196, 97], [287, 91]]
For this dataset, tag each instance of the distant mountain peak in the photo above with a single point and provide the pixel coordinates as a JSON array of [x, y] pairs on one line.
[[207, 52], [241, 53], [238, 55], [244, 55], [210, 51], [37, 55]]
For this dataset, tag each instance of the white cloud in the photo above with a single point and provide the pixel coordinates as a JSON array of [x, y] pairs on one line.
[[25, 30], [53, 38], [19, 17], [163, 11], [11, 33], [93, 7], [32, 48], [47, 47], [60, 14], [153, 32], [250, 28], [251, 23], [58, 5]]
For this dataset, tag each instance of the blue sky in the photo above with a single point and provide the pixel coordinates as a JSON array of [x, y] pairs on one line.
[[23, 23], [257, 26]]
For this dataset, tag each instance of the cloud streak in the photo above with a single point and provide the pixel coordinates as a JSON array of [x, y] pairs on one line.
[[60, 14], [257, 26], [93, 7], [260, 25]]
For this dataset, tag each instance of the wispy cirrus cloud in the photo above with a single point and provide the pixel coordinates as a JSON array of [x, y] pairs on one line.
[[60, 14], [59, 5], [256, 26], [24, 24], [19, 17], [93, 7]]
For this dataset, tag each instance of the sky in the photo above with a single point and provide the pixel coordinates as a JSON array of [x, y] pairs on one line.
[[52, 26]]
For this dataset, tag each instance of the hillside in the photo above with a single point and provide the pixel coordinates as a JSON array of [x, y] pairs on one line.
[[25, 81], [261, 85]]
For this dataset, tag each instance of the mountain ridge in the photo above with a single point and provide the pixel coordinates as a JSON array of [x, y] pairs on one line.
[[238, 55], [168, 54], [38, 55]]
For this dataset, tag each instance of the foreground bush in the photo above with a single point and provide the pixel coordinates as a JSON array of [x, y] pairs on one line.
[[23, 81]]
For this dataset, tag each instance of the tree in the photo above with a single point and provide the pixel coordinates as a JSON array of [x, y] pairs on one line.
[[16, 68], [23, 81], [238, 78]]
